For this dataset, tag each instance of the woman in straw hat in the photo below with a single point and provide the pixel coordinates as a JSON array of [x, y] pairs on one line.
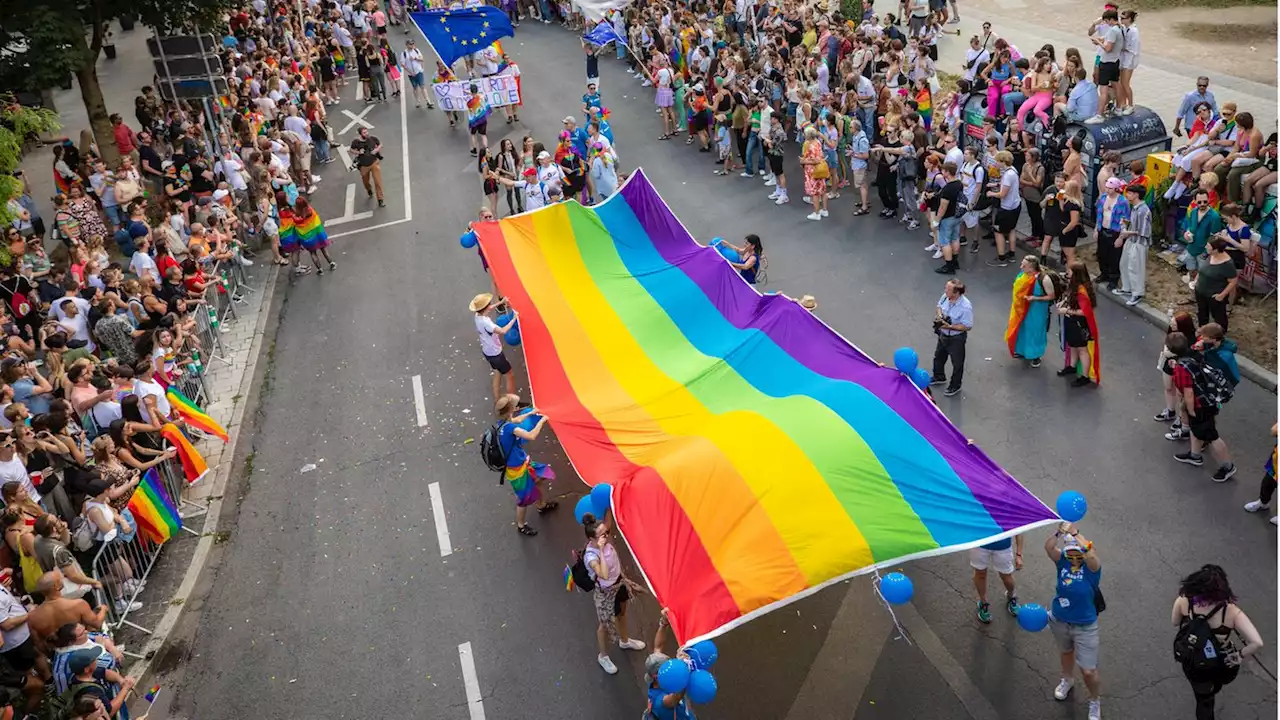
[[491, 340]]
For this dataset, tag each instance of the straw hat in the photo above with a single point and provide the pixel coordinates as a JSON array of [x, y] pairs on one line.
[[808, 303], [481, 302]]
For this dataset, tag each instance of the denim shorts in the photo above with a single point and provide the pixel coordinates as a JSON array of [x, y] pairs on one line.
[[949, 231]]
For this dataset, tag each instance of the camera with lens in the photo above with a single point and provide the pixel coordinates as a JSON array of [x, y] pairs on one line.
[[939, 322]]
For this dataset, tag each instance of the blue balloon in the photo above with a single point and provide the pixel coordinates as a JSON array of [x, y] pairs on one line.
[[1032, 617], [1072, 506], [703, 654], [528, 420], [896, 588], [503, 319], [921, 377], [906, 360], [512, 337], [673, 676], [583, 507], [727, 252], [601, 497], [469, 239], [702, 687]]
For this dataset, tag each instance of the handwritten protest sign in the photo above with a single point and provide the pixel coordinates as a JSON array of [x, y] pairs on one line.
[[499, 90]]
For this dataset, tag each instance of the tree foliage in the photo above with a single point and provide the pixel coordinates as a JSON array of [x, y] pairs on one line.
[[17, 123]]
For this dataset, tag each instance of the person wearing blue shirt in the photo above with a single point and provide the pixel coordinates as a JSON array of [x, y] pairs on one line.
[[662, 704], [1187, 110], [590, 99], [1082, 100], [952, 322], [577, 136], [1006, 557], [859, 152], [1073, 616]]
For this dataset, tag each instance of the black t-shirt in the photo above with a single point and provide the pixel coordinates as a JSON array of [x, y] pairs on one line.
[[1067, 207], [574, 177], [326, 67], [199, 183], [148, 156], [365, 149], [950, 192]]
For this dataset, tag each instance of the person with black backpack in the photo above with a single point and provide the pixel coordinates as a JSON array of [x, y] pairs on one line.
[[1073, 615], [1206, 615], [525, 477], [1204, 389]]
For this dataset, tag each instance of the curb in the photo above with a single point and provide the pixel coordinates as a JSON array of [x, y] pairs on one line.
[[1248, 368], [160, 635]]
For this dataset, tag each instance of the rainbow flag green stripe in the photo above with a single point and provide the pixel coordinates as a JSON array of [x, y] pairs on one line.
[[154, 511]]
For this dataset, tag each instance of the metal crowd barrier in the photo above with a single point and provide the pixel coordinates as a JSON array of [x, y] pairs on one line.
[[122, 566]]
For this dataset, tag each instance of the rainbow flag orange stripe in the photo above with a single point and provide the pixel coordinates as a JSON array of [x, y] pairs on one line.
[[192, 415], [1023, 285], [310, 230], [154, 511], [755, 455], [193, 464]]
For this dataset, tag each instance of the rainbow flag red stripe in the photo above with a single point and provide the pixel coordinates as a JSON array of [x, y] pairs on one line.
[[310, 230], [153, 510], [193, 464], [1023, 285]]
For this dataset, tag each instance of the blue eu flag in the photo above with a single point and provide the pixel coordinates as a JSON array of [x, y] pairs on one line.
[[457, 33]]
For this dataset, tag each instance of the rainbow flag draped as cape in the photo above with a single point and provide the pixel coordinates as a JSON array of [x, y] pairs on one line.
[[1023, 285], [1094, 369], [154, 511], [924, 106], [192, 415], [755, 455], [311, 230], [477, 110], [193, 464]]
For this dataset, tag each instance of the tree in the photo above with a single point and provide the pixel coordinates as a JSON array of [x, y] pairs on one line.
[[17, 124], [44, 41]]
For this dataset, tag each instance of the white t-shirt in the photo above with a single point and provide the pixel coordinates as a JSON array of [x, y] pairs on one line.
[[81, 304], [535, 194], [144, 390], [490, 343], [12, 470], [1012, 199], [412, 61], [78, 326], [955, 155], [230, 169], [142, 264], [343, 36], [550, 176]]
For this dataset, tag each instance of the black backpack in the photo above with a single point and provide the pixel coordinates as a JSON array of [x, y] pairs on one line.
[[1200, 650], [492, 451], [579, 572], [1211, 386]]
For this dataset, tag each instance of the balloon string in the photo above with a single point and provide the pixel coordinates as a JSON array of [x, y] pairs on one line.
[[902, 633]]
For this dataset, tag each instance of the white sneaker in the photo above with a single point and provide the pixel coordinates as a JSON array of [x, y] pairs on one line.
[[824, 213], [814, 216], [646, 83], [245, 262], [775, 195], [1095, 120], [1128, 110], [1274, 520], [316, 178], [607, 664], [1119, 291], [1063, 690], [807, 200], [124, 606], [770, 182], [937, 254], [1255, 506], [1133, 300], [931, 248], [782, 200], [746, 174], [632, 644], [1095, 710]]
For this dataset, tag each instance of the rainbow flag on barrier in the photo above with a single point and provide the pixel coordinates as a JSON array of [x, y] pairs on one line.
[[193, 416], [153, 509], [755, 455]]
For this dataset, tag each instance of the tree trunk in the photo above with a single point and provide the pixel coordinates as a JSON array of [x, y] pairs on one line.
[[96, 107]]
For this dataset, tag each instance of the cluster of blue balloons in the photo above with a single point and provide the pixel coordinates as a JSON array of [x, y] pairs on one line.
[[469, 239], [597, 502], [907, 362], [725, 251], [512, 336], [691, 676], [1071, 506]]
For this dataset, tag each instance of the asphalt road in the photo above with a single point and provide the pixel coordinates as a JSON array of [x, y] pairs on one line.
[[331, 597]]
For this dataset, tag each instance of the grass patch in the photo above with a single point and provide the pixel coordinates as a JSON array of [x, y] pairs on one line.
[[177, 601], [221, 537], [1237, 33], [947, 81], [1179, 4]]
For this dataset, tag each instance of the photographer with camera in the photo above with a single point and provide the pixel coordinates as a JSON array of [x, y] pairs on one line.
[[369, 162], [951, 323]]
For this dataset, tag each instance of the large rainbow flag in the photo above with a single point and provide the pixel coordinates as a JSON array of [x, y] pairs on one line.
[[755, 455], [153, 509]]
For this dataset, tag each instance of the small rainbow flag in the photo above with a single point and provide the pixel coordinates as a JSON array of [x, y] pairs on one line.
[[311, 231], [151, 694], [154, 511], [192, 415], [568, 579], [193, 464]]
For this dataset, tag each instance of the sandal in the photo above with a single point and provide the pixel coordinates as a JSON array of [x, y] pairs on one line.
[[548, 506], [526, 530], [862, 210], [664, 137]]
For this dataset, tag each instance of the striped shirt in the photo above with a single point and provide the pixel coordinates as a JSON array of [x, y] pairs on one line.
[[1139, 225]]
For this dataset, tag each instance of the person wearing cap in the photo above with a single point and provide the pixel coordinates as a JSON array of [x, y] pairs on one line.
[[491, 340], [1073, 614], [89, 680], [663, 705], [536, 193], [412, 62], [1136, 238], [1111, 216]]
